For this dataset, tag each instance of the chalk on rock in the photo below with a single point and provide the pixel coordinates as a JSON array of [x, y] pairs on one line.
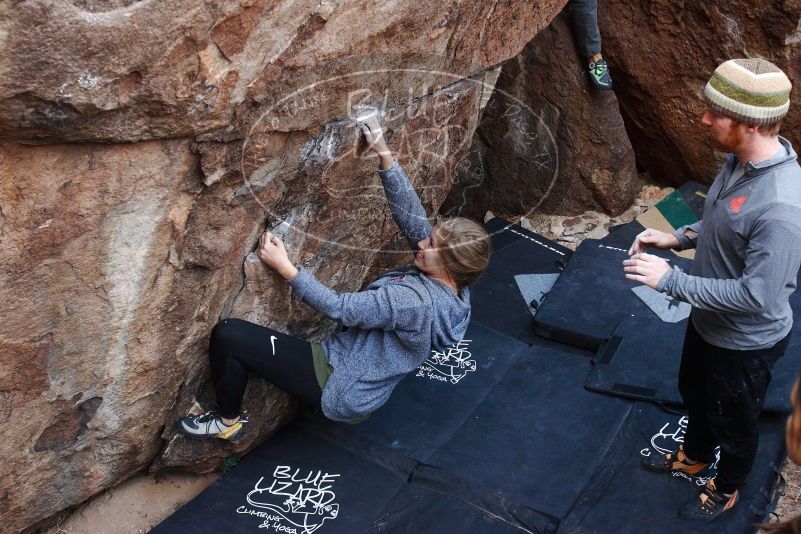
[[281, 230], [370, 118]]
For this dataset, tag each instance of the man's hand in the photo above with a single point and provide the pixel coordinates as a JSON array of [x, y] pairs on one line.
[[653, 238], [273, 254], [646, 269]]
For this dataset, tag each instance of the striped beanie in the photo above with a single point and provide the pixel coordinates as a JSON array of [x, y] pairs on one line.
[[751, 91]]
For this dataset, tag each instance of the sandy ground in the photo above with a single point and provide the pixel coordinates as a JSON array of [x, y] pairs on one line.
[[135, 506], [143, 501]]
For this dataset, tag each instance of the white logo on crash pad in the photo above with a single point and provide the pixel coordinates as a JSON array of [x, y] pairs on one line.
[[293, 501], [668, 439], [450, 365]]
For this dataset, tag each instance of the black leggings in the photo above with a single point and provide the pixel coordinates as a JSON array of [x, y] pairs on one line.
[[723, 391], [237, 346]]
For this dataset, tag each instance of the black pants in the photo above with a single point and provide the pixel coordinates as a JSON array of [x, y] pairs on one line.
[[724, 391], [238, 346]]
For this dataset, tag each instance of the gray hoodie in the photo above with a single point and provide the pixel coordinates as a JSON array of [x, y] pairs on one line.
[[748, 255], [388, 329]]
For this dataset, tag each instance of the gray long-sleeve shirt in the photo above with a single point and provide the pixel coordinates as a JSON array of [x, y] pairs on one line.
[[748, 252], [388, 329]]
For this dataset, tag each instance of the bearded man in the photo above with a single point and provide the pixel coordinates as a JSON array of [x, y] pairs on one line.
[[748, 252]]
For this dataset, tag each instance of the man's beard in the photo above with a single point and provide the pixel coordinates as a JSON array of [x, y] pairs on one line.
[[730, 142]]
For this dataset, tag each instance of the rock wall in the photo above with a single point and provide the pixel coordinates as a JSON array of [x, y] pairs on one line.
[[662, 53], [547, 142], [127, 70], [146, 145]]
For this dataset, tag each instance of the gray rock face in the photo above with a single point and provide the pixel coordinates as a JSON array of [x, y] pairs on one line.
[[171, 134]]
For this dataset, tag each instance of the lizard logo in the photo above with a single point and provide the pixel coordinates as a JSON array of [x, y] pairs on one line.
[[295, 501], [668, 439], [450, 365]]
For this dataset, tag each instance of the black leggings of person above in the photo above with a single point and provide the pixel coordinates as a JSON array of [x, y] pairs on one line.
[[237, 347], [723, 391]]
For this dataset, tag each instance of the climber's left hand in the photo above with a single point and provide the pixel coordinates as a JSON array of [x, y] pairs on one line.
[[272, 253]]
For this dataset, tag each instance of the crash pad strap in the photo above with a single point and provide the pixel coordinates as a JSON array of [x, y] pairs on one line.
[[634, 390]]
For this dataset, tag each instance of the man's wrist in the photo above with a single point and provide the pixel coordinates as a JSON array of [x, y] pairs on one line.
[[661, 284], [676, 244]]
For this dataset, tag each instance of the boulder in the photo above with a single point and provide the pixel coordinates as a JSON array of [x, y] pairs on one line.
[[323, 190], [127, 70], [662, 53], [147, 146], [547, 142]]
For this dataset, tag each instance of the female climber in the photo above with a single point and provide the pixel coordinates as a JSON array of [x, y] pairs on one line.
[[386, 331]]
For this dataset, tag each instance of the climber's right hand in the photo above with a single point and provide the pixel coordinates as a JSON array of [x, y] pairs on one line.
[[272, 253]]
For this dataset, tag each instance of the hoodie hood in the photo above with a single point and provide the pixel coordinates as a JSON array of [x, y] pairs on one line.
[[450, 313]]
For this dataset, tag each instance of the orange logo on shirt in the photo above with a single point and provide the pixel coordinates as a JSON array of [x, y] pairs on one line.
[[736, 203]]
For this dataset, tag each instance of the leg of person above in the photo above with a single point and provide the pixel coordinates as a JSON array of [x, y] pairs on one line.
[[585, 23], [698, 450], [736, 384], [237, 347]]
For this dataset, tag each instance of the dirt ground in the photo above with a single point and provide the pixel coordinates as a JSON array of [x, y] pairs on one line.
[[135, 506], [143, 501]]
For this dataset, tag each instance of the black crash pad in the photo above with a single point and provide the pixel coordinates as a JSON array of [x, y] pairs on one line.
[[298, 481], [624, 498], [301, 482], [418, 508], [428, 406], [623, 236], [641, 361], [593, 295], [538, 437], [495, 297]]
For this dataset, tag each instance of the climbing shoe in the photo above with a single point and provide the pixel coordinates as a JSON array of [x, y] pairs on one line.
[[210, 425], [709, 504], [599, 75], [671, 462]]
